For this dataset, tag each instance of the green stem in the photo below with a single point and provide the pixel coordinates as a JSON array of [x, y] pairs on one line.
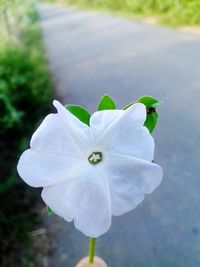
[[92, 249]]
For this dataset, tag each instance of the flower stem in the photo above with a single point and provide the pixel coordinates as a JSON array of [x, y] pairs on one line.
[[92, 249]]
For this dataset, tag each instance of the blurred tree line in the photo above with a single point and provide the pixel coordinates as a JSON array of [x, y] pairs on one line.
[[25, 94], [174, 12]]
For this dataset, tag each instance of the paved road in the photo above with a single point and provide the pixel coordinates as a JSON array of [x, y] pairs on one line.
[[91, 53]]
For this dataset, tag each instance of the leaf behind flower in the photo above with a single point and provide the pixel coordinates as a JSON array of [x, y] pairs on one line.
[[151, 121], [149, 101], [106, 103], [81, 113], [152, 116]]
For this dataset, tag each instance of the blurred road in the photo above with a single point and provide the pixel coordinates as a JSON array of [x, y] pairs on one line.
[[91, 54]]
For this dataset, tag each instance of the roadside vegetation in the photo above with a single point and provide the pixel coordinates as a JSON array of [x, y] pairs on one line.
[[170, 12], [25, 95]]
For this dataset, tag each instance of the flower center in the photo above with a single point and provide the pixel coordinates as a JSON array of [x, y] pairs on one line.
[[95, 158]]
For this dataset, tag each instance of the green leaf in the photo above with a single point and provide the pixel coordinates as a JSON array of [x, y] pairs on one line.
[[149, 101], [152, 116], [50, 212], [106, 103], [81, 113], [130, 104], [151, 121]]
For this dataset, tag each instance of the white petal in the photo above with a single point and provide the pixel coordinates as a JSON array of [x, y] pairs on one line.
[[53, 136], [68, 117], [100, 121], [86, 199], [77, 129], [64, 198], [122, 132], [61, 132], [130, 179], [40, 168], [132, 140]]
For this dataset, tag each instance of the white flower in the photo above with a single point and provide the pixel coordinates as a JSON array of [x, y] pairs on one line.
[[90, 173]]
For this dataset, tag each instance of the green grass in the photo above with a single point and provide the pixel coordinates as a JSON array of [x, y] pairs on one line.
[[25, 97], [170, 12]]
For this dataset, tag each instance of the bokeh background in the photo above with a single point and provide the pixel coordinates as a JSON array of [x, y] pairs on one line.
[[76, 51]]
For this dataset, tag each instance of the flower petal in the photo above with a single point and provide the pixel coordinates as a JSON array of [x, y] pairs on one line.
[[133, 141], [61, 132], [77, 129], [40, 168], [94, 213], [64, 198], [86, 199], [100, 121], [122, 132], [52, 136], [130, 179], [68, 117]]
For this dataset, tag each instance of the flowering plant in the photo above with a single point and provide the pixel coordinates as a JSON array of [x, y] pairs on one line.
[[93, 167]]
